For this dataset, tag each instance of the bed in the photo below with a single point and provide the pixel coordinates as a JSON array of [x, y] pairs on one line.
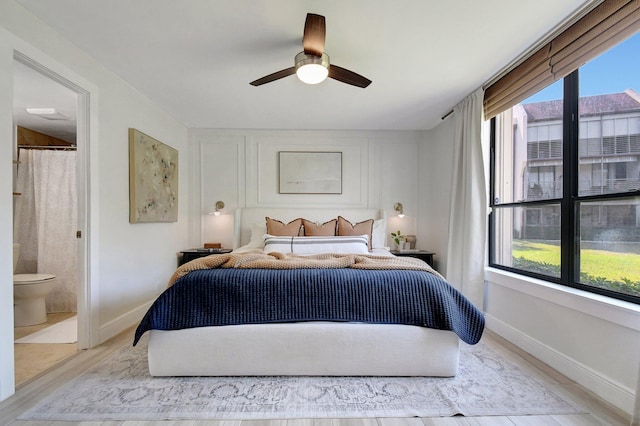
[[326, 337]]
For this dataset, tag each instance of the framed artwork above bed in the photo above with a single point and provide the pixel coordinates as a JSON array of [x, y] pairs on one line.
[[310, 172]]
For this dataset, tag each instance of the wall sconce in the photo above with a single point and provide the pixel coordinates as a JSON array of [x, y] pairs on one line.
[[219, 207], [399, 210]]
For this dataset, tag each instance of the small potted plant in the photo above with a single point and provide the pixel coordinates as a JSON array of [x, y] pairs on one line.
[[399, 239]]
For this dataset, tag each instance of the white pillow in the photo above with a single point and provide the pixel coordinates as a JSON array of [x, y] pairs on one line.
[[258, 232], [357, 244], [379, 234]]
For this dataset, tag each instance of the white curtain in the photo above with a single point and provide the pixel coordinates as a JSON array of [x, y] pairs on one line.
[[24, 220], [468, 206], [45, 222]]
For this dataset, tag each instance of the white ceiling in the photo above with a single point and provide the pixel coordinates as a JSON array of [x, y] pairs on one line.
[[195, 58]]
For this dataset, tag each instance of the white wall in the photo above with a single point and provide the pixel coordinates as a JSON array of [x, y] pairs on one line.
[[239, 167], [592, 339], [6, 222], [128, 263]]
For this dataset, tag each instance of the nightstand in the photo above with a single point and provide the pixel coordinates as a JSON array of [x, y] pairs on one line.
[[188, 255], [425, 256]]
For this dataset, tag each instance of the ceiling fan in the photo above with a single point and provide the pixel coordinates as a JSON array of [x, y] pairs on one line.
[[312, 64]]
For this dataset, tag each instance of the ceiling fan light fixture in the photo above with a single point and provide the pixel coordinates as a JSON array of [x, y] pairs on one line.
[[312, 69]]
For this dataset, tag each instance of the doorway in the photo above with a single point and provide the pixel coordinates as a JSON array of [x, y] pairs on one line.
[[65, 122]]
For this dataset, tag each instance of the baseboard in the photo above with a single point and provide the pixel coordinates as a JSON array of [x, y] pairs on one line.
[[610, 391], [118, 325]]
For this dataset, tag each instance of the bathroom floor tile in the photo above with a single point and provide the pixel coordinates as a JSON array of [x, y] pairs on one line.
[[33, 359]]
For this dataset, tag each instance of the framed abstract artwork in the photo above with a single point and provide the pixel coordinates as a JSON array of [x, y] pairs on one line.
[[310, 172], [153, 180]]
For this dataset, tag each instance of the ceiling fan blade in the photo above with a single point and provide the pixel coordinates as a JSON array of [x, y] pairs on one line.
[[273, 77], [314, 34], [349, 77]]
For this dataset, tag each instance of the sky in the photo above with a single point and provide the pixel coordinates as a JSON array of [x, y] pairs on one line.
[[612, 72]]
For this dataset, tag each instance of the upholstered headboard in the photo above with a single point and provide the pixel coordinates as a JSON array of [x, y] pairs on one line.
[[249, 216]]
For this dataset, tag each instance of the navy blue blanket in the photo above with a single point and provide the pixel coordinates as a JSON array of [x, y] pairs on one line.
[[216, 297]]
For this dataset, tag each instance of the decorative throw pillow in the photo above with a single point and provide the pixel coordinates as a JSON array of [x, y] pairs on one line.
[[355, 244], [291, 229], [361, 228], [312, 229]]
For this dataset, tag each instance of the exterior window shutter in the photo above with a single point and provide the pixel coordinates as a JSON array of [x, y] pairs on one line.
[[599, 30]]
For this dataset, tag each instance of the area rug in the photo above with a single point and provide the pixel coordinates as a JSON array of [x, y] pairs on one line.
[[61, 332], [120, 388]]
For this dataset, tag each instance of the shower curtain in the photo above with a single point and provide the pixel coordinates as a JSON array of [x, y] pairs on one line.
[[45, 222]]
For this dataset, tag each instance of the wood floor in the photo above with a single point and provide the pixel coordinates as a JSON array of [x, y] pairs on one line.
[[599, 413]]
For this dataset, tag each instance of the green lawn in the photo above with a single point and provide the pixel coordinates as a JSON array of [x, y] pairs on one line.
[[597, 263]]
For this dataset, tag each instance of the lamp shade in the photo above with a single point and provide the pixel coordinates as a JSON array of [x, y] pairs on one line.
[[219, 207], [399, 209], [312, 69]]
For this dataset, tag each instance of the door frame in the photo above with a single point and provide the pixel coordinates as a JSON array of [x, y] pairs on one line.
[[83, 291]]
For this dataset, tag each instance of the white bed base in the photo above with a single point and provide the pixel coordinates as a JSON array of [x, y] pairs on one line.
[[304, 349]]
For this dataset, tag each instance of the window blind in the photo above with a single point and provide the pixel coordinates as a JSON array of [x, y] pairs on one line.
[[605, 26]]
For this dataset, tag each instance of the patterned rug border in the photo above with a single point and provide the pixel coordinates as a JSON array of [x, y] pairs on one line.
[[120, 388]]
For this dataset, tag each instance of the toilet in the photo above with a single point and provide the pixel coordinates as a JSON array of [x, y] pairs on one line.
[[29, 291]]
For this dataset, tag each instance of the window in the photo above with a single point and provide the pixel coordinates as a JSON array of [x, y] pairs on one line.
[[566, 193]]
